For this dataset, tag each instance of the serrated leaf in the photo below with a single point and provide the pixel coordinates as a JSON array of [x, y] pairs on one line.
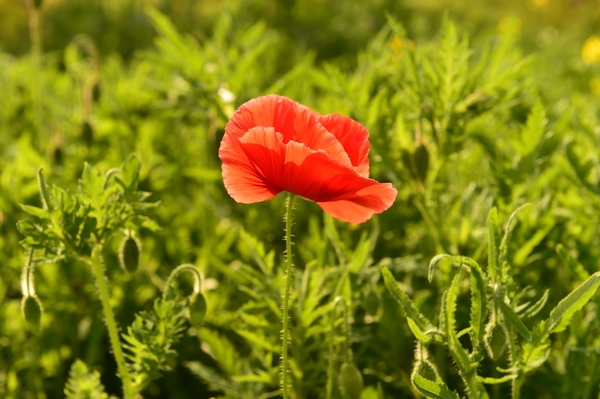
[[535, 354], [536, 307], [561, 315], [43, 186], [459, 354], [534, 129], [35, 211], [130, 173], [432, 389], [507, 232], [478, 302], [407, 306], [511, 317], [492, 224], [83, 384]]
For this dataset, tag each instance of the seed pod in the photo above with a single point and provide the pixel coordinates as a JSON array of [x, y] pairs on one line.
[[32, 310], [351, 380], [197, 310], [495, 341], [96, 92], [87, 133], [129, 253]]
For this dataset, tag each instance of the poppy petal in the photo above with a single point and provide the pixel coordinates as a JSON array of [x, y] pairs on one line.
[[313, 175], [244, 183], [353, 136], [362, 207], [293, 120]]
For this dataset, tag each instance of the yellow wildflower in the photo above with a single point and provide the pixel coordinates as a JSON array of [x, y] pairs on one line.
[[590, 52]]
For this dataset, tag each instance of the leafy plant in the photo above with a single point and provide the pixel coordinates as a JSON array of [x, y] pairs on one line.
[[497, 320]]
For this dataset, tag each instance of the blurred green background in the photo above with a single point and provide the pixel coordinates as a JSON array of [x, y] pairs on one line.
[[161, 78]]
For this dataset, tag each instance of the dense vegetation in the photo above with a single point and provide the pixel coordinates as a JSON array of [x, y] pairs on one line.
[[483, 116]]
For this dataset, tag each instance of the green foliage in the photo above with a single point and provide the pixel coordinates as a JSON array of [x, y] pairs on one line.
[[84, 384], [149, 339], [491, 300], [470, 117]]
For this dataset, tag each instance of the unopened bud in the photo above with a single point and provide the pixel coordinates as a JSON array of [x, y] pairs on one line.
[[351, 380], [426, 370], [495, 341], [96, 92], [87, 133], [197, 310], [372, 303], [129, 253], [421, 161], [32, 310]]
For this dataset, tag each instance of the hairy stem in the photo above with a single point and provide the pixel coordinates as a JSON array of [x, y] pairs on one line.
[[512, 348], [111, 324], [286, 299]]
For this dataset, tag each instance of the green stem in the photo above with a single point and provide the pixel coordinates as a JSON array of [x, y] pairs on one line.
[[286, 298], [512, 348], [187, 267], [111, 324]]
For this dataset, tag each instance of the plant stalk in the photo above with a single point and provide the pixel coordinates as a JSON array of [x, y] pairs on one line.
[[111, 324], [512, 348], [286, 299]]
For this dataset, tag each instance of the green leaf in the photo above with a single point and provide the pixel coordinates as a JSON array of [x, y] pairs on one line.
[[43, 186], [536, 307], [432, 389], [514, 320], [493, 381], [561, 315], [434, 262], [35, 211], [420, 335], [478, 302], [84, 384], [360, 256], [575, 267], [508, 230], [535, 353], [533, 131], [407, 306], [459, 354], [130, 174], [492, 224]]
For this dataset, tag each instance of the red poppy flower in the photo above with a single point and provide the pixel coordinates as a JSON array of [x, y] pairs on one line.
[[273, 144]]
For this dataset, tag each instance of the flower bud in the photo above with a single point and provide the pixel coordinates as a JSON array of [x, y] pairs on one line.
[[351, 380], [87, 133], [495, 341], [421, 161], [197, 310], [372, 302], [32, 310], [426, 370], [96, 92], [129, 253]]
